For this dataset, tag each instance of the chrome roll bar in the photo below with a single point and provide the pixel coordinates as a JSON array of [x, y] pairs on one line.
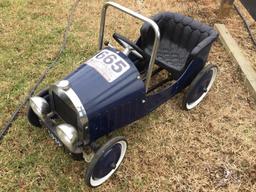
[[140, 17]]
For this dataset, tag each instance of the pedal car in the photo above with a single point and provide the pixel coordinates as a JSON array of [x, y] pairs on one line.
[[117, 87]]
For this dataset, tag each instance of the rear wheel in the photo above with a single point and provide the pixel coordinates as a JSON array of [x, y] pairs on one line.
[[105, 161], [32, 117], [200, 86]]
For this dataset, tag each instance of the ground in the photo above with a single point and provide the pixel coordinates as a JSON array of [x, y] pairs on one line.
[[210, 148]]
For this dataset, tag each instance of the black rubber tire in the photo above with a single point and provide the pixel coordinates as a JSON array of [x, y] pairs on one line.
[[77, 157], [189, 93], [74, 156], [32, 117], [104, 148]]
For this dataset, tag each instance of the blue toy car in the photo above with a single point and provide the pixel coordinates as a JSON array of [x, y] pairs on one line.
[[115, 88]]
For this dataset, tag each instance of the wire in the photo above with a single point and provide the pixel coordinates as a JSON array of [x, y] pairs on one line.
[[47, 70], [246, 24]]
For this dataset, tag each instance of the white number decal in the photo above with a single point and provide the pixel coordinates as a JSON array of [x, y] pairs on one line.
[[109, 65]]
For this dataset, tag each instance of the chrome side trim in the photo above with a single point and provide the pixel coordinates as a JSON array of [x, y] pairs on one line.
[[140, 17], [70, 98]]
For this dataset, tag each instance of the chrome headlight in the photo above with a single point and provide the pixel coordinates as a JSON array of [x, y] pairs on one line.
[[68, 135], [40, 106]]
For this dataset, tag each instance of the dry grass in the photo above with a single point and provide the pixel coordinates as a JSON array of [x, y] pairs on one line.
[[211, 148], [242, 36]]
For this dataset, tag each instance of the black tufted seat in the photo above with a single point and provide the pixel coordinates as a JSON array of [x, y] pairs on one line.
[[182, 39]]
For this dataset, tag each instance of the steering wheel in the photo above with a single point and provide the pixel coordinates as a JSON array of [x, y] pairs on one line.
[[127, 44]]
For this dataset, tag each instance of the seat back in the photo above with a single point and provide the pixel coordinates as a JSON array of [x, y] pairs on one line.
[[176, 28]]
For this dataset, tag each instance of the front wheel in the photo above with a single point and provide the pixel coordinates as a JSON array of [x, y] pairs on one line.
[[105, 161], [200, 86]]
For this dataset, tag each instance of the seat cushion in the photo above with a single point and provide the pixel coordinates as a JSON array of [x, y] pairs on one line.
[[171, 57]]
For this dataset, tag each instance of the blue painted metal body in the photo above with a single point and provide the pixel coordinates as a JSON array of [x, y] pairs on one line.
[[110, 106]]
